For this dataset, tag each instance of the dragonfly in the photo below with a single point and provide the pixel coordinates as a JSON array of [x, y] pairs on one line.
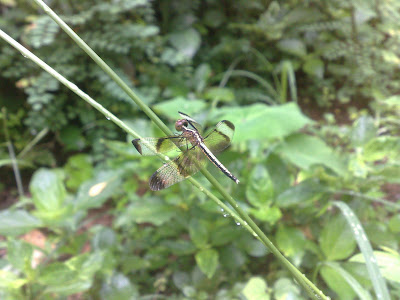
[[196, 150]]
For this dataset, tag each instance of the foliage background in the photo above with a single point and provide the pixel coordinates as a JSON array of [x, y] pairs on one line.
[[311, 87]]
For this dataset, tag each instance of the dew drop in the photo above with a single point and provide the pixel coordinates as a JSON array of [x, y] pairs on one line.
[[108, 118], [238, 223]]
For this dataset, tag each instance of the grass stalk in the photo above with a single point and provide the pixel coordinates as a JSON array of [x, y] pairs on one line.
[[309, 287], [11, 152]]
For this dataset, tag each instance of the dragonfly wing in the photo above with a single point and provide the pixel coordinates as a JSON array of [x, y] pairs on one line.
[[152, 146], [220, 138], [182, 167]]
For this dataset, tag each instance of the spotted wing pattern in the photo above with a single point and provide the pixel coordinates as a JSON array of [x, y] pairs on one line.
[[151, 146], [220, 138], [183, 166]]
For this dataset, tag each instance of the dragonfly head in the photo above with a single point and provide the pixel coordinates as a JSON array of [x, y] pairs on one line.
[[180, 124]]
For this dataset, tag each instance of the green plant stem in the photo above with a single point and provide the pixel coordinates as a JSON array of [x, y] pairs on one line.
[[26, 53], [11, 152], [32, 143], [309, 287]]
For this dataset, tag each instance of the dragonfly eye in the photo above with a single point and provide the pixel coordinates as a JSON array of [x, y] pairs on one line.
[[181, 123]]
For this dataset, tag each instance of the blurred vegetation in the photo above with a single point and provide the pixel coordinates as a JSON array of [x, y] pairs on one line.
[[311, 87]]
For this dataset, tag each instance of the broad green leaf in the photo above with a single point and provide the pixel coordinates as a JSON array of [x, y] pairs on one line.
[[260, 190], [383, 147], [103, 239], [314, 67], [47, 190], [118, 287], [223, 235], [151, 211], [78, 169], [73, 276], [17, 222], [291, 242], [187, 41], [170, 108], [207, 261], [254, 247], [219, 94], [292, 46], [263, 122], [363, 131], [180, 247], [336, 282], [232, 258], [94, 192], [19, 254], [301, 193], [305, 151], [285, 288], [336, 239], [388, 262], [72, 138], [9, 280], [256, 289], [198, 233], [279, 173], [266, 213], [393, 101], [350, 280]]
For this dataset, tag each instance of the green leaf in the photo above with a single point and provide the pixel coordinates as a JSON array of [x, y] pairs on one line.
[[118, 287], [292, 46], [336, 239], [364, 130], [94, 192], [256, 289], [72, 138], [187, 41], [305, 151], [19, 254], [207, 261], [170, 108], [383, 147], [151, 211], [285, 288], [198, 233], [394, 223], [279, 173], [336, 282], [261, 122], [348, 278], [48, 191], [300, 194], [219, 94], [9, 280], [379, 284], [73, 276], [13, 223], [393, 101], [314, 67], [260, 190], [78, 169], [388, 262], [291, 242], [266, 213], [224, 235]]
